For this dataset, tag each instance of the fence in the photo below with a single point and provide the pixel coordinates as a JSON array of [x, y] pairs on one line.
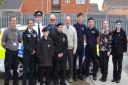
[[60, 18]]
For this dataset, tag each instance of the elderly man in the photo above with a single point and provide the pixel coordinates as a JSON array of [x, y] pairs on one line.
[[52, 26], [70, 31]]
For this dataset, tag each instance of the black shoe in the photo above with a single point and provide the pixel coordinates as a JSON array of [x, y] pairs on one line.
[[101, 79], [118, 81], [75, 79], [113, 80], [81, 78], [94, 78], [64, 83]]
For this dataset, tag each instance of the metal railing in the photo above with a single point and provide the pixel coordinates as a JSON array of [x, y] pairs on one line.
[[98, 18]]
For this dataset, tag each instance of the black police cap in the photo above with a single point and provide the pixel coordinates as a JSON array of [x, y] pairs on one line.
[[60, 23], [118, 21], [79, 14], [45, 29], [38, 13], [90, 18]]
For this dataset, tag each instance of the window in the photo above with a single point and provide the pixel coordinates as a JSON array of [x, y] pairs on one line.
[[67, 1], [56, 1], [80, 1]]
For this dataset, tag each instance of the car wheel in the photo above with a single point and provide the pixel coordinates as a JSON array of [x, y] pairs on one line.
[[19, 70]]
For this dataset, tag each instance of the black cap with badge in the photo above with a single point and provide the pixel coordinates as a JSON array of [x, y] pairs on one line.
[[60, 23], [79, 14], [38, 13], [118, 21], [90, 18], [45, 29]]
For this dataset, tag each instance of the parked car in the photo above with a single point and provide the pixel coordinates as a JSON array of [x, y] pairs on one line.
[[20, 54]]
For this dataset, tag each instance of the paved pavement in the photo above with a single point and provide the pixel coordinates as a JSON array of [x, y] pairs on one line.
[[124, 79], [89, 81], [85, 82]]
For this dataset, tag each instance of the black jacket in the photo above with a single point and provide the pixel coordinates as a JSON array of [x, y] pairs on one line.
[[119, 42], [61, 44], [29, 41], [45, 51]]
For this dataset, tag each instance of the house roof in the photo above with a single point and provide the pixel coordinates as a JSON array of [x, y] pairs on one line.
[[115, 3], [11, 4]]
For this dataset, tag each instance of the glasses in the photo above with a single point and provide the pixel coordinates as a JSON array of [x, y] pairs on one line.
[[52, 19]]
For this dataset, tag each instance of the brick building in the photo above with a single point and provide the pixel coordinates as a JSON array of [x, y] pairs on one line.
[[116, 7], [60, 6]]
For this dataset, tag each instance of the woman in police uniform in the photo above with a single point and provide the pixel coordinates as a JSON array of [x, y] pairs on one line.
[[30, 42]]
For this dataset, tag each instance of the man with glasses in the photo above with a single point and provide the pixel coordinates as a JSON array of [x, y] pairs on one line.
[[52, 26]]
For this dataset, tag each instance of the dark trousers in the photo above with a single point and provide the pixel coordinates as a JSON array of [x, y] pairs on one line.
[[104, 58], [79, 54], [59, 70], [45, 73], [11, 61], [70, 62], [91, 56], [28, 69], [117, 65]]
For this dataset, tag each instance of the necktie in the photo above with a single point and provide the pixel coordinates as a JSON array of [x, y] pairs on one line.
[[67, 26], [39, 32]]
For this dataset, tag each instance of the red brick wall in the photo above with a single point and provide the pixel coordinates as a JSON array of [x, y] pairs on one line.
[[29, 6], [72, 7]]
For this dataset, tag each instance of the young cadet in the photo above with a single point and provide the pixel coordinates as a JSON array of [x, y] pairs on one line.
[[60, 56], [45, 53], [119, 46], [30, 43]]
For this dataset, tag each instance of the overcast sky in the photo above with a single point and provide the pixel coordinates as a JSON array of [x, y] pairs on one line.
[[99, 2]]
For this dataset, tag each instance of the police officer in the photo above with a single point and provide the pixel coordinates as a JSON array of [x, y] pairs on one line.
[[38, 26], [61, 45], [80, 28], [10, 41], [91, 35], [29, 42], [119, 46]]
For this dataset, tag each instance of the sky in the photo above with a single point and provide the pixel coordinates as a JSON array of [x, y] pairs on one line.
[[99, 2]]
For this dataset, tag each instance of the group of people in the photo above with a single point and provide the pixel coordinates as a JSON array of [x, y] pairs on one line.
[[50, 50]]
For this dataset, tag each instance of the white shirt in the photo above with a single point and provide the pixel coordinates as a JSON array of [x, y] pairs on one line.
[[36, 28]]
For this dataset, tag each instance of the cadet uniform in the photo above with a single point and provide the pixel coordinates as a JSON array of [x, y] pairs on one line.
[[91, 40], [61, 45], [30, 43], [45, 53], [119, 45]]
